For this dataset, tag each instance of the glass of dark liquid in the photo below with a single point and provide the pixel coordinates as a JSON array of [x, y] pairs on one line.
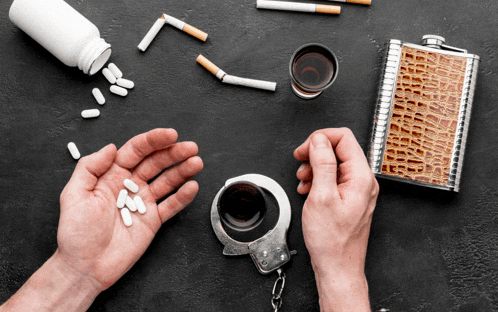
[[313, 68], [242, 206]]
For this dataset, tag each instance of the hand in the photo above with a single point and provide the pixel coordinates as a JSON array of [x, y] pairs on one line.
[[337, 216], [95, 248], [92, 237]]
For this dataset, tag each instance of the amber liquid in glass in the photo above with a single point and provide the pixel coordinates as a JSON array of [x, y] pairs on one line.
[[312, 69], [242, 206]]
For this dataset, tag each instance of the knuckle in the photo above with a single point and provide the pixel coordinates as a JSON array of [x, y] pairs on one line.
[[319, 198]]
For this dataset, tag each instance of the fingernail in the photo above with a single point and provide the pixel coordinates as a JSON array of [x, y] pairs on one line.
[[301, 168], [319, 140], [300, 185]]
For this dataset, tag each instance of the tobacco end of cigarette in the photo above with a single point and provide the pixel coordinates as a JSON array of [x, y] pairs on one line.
[[213, 69], [365, 2], [328, 9], [191, 30]]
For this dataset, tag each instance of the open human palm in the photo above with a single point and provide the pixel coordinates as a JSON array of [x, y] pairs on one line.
[[92, 237]]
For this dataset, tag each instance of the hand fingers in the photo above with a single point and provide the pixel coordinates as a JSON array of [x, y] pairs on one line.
[[176, 202], [160, 160], [343, 141], [136, 149], [304, 187], [323, 164], [91, 167], [172, 178], [304, 172]]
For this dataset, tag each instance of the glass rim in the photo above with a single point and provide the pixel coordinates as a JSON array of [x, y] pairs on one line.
[[314, 90]]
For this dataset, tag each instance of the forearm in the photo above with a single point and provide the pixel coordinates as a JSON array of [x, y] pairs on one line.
[[53, 287], [339, 291]]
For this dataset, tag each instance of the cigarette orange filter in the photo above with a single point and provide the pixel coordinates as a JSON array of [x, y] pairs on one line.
[[364, 2], [207, 64]]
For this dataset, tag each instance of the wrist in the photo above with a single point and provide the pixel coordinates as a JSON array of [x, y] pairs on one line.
[[81, 288], [341, 290], [55, 286]]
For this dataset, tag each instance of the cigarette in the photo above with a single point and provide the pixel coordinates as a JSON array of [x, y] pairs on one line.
[[365, 2], [297, 6], [151, 34], [225, 78], [191, 30], [167, 19]]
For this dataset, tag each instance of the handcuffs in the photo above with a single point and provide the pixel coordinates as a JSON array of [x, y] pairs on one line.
[[269, 252]]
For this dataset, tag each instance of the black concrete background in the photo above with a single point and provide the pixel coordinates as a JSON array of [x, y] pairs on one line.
[[429, 250]]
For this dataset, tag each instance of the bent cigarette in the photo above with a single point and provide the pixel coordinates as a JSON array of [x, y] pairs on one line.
[[253, 83], [191, 30], [167, 19], [151, 34], [297, 6], [225, 78], [365, 2]]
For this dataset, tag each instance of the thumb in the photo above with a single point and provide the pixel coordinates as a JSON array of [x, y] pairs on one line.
[[91, 167], [323, 164]]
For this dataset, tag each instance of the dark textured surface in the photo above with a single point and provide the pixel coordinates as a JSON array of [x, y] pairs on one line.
[[429, 250]]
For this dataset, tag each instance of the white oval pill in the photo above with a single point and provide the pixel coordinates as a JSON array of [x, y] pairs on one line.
[[125, 83], [115, 70], [99, 97], [140, 204], [73, 150], [129, 184], [126, 216], [90, 113], [109, 76], [119, 91], [122, 198], [130, 204]]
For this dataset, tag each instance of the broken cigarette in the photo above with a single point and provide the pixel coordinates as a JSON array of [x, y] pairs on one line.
[[297, 6], [167, 19], [365, 2], [225, 78]]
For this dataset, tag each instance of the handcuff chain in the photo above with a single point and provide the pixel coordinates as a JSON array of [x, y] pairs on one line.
[[276, 300]]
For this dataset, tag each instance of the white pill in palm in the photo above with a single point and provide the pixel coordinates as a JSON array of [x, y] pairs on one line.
[[129, 184], [130, 204], [99, 97], [125, 83], [73, 150], [119, 90], [140, 204], [126, 216], [109, 76], [115, 70], [90, 113], [122, 198]]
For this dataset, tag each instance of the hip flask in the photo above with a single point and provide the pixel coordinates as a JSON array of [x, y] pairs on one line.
[[423, 112]]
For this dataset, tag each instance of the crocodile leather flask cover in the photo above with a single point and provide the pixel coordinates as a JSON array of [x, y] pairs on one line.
[[422, 113]]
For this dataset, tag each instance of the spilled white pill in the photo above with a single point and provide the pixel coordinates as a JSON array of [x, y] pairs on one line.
[[126, 216], [140, 204], [109, 76], [129, 184], [119, 90], [122, 198], [90, 113], [115, 70], [73, 150], [99, 97], [130, 204], [125, 83]]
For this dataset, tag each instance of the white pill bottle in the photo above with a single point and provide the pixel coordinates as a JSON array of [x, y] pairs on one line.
[[63, 31]]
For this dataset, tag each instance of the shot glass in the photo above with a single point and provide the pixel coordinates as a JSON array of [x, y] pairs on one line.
[[242, 206], [313, 68]]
